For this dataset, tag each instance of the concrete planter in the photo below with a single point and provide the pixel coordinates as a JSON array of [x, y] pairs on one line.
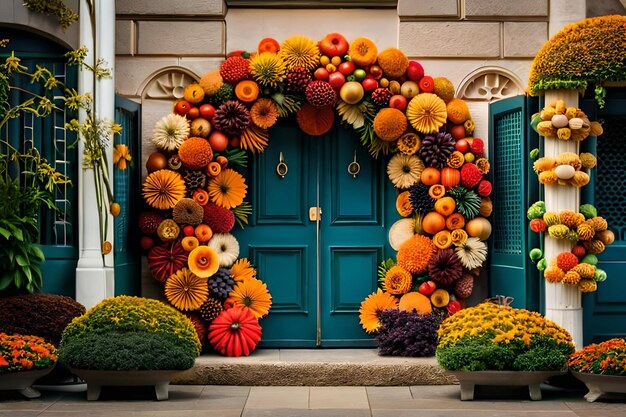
[[599, 385], [22, 381], [97, 379], [532, 379]]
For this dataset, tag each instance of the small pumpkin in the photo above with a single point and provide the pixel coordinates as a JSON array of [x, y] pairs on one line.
[[235, 332], [415, 302], [450, 177], [203, 261], [247, 91], [194, 93]]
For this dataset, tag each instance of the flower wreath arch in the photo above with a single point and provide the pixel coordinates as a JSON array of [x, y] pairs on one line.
[[195, 191]]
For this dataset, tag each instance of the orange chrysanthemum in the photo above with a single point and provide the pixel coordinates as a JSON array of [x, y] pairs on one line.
[[415, 253], [398, 281], [242, 270], [185, 290], [203, 261], [264, 113], [363, 52], [163, 189], [228, 189], [253, 294], [195, 153], [371, 308], [390, 124], [393, 62]]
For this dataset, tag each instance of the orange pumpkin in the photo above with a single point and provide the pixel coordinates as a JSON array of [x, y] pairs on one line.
[[450, 177], [478, 227], [415, 302], [235, 332], [247, 91], [268, 45], [203, 261], [433, 222], [430, 176]]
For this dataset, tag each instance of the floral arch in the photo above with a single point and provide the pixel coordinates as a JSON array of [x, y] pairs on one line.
[[195, 191]]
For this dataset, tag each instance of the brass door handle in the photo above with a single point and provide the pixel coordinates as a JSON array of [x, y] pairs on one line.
[[315, 213], [281, 167]]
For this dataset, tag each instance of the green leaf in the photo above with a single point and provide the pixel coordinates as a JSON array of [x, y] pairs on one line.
[[17, 233], [27, 272], [5, 281], [4, 232], [17, 278], [37, 253], [22, 260]]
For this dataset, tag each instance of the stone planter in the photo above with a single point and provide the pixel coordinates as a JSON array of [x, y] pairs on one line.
[[599, 385], [22, 381], [532, 379], [97, 379]]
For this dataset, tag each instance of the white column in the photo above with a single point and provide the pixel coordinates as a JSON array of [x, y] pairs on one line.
[[564, 12], [93, 282], [563, 302]]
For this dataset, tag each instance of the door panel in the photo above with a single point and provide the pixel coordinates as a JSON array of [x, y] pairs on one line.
[[280, 240], [604, 311], [283, 242]]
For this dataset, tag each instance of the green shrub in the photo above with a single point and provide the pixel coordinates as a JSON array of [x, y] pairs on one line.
[[44, 315], [125, 332]]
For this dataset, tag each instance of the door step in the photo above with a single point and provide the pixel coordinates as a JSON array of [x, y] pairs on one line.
[[314, 367]]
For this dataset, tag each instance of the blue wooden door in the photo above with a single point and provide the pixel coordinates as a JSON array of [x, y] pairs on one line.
[[604, 311], [318, 271], [511, 272]]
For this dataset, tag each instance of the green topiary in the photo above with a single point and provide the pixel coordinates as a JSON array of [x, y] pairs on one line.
[[121, 320], [588, 210], [497, 338]]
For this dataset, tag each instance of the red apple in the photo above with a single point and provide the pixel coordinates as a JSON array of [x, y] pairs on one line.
[[333, 44], [147, 243], [188, 230], [376, 72], [346, 68], [453, 307], [235, 142], [336, 80], [398, 101], [207, 111], [415, 71], [461, 145], [369, 83], [182, 107], [218, 141], [427, 84], [427, 288], [193, 113], [457, 131], [321, 74]]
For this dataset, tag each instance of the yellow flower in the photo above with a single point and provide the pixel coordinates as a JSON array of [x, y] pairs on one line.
[[12, 63], [121, 156]]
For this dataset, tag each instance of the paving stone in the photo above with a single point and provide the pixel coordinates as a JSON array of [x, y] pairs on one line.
[[273, 398], [306, 413], [338, 397]]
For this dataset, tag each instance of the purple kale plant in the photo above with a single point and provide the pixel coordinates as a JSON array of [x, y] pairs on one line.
[[404, 333]]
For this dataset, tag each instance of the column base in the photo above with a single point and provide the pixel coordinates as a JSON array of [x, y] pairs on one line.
[[571, 319], [94, 285]]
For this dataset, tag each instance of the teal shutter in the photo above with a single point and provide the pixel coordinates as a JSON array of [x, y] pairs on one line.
[[58, 231], [514, 189], [126, 189]]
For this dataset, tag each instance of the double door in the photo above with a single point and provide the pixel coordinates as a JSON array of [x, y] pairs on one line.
[[317, 233]]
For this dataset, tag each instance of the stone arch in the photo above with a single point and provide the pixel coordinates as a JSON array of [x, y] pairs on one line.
[[167, 83], [490, 84]]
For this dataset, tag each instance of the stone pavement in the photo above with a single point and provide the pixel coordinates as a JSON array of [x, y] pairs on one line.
[[304, 401]]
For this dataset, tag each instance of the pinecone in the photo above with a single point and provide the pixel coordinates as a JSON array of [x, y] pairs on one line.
[[420, 200], [464, 286], [297, 79], [210, 309], [436, 149], [194, 180], [320, 94], [221, 284], [225, 93], [231, 118], [381, 97]]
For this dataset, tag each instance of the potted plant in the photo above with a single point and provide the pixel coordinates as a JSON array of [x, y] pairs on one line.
[[492, 344], [129, 341], [23, 360], [601, 366]]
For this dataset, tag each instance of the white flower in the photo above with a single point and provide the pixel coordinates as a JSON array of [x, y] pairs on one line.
[[227, 248], [170, 132], [404, 170], [472, 252]]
